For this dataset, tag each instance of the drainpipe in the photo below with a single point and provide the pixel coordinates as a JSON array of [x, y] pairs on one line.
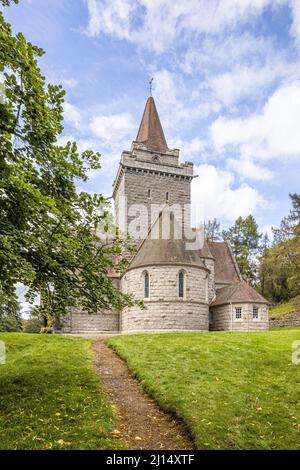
[[231, 319]]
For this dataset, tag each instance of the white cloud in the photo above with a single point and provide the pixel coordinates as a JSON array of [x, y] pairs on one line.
[[274, 133], [110, 17], [72, 115], [219, 52], [214, 195], [82, 143], [246, 81], [156, 24], [248, 169], [180, 104], [114, 127], [189, 149]]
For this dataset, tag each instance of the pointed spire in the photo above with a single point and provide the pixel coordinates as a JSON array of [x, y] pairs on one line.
[[150, 132]]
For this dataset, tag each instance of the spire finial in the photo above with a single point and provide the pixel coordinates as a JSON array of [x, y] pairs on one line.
[[150, 86]]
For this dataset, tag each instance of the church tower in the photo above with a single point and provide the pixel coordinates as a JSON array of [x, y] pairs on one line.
[[149, 178]]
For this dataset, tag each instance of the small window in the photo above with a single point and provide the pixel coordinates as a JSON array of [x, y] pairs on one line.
[[255, 313], [146, 285], [238, 313], [206, 289], [167, 196], [149, 192], [181, 284]]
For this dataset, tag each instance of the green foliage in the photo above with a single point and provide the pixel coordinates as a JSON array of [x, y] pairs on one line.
[[244, 239], [233, 390], [212, 230], [284, 309], [280, 263], [10, 315], [32, 325], [6, 3], [55, 241], [51, 397]]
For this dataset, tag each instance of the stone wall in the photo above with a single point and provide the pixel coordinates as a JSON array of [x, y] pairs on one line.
[[137, 174], [164, 309], [79, 322], [210, 264], [222, 317], [284, 323]]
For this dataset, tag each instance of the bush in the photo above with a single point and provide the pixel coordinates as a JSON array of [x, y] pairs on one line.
[[33, 325], [46, 330]]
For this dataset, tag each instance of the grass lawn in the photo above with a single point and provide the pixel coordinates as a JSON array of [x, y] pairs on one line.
[[286, 308], [51, 397], [233, 390]]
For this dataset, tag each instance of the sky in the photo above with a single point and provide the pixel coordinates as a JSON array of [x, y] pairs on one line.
[[226, 85]]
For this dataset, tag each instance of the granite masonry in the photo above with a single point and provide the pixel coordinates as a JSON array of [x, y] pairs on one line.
[[185, 285]]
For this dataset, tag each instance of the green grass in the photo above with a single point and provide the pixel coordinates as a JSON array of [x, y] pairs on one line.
[[281, 310], [51, 397], [233, 390]]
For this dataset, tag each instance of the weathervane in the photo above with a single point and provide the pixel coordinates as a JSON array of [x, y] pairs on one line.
[[150, 87]]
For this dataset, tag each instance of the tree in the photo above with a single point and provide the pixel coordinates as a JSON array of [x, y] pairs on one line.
[[212, 230], [51, 237], [10, 316], [265, 243], [33, 323], [280, 264], [244, 238]]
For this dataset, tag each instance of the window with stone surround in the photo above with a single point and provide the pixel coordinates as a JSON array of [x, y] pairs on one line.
[[146, 284], [238, 313], [255, 312], [206, 289], [181, 279]]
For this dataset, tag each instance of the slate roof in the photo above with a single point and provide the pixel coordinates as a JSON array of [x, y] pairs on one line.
[[237, 293], [226, 269], [155, 250], [150, 131]]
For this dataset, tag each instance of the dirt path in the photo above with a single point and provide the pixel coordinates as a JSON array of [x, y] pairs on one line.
[[140, 422]]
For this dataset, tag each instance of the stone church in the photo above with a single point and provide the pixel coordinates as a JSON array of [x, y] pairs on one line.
[[185, 285]]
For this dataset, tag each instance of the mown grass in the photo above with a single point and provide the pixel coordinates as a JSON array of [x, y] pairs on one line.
[[233, 390], [51, 397], [286, 308]]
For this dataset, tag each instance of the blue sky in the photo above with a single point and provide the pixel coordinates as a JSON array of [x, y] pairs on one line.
[[226, 84]]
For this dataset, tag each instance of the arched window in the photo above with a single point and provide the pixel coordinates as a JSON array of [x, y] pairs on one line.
[[181, 284], [146, 285], [167, 196], [149, 192]]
